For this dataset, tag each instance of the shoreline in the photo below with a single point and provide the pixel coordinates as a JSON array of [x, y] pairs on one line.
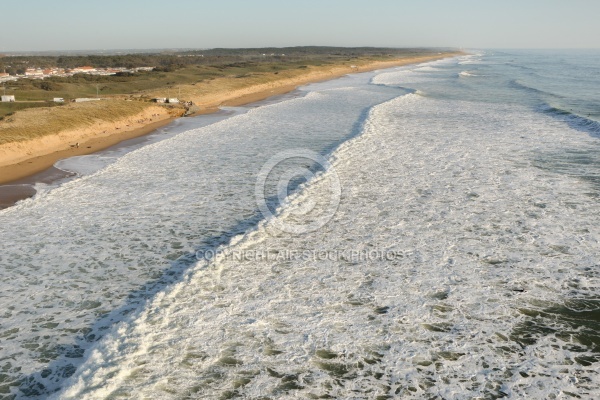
[[14, 175], [260, 92]]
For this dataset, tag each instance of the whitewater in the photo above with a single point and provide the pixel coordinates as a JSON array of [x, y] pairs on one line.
[[414, 232]]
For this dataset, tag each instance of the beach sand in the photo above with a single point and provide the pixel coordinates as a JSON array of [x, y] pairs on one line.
[[24, 159]]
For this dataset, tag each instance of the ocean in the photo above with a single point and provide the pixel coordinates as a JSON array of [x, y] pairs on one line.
[[428, 231]]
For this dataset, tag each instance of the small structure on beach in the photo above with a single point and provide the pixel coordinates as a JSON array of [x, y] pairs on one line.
[[8, 99]]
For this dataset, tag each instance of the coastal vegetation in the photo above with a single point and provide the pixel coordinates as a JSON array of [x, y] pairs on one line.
[[16, 63], [34, 123], [170, 70], [7, 109]]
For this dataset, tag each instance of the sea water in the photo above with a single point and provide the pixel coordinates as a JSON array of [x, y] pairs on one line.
[[460, 258]]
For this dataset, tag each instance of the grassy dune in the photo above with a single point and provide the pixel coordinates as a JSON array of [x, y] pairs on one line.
[[7, 109], [37, 122]]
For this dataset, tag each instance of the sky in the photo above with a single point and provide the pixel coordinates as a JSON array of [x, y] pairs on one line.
[[43, 25]]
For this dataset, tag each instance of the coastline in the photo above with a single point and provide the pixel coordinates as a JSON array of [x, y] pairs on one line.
[[36, 155], [263, 91], [23, 159]]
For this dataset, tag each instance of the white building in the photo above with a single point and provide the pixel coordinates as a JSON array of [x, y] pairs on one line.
[[84, 99], [84, 69], [34, 72], [8, 99]]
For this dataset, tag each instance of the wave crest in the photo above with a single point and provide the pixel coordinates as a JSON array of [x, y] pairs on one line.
[[574, 121]]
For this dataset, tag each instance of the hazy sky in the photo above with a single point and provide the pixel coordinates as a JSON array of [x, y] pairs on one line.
[[126, 24]]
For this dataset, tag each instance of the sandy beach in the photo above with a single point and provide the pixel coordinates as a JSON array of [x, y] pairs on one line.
[[22, 159], [281, 86]]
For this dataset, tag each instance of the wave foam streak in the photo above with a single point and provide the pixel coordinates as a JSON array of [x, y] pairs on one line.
[[492, 259]]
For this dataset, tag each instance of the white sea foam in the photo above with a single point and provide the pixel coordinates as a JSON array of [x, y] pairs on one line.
[[427, 69], [475, 58], [403, 77], [78, 258], [467, 74], [84, 165], [462, 242], [483, 240]]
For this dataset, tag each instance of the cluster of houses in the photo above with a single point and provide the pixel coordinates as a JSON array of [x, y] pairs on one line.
[[39, 73]]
